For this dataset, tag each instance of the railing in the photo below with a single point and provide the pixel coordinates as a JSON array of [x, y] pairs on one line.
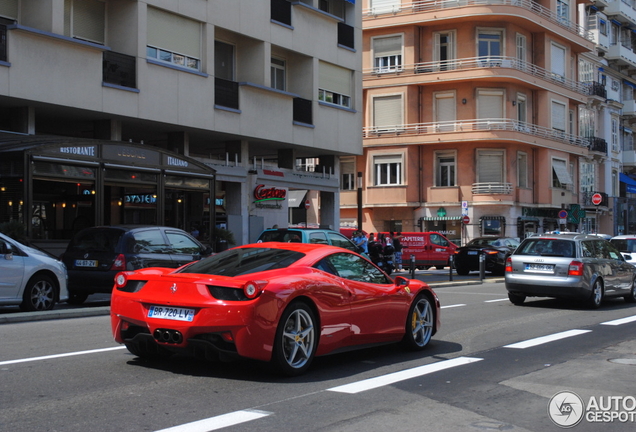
[[119, 69], [458, 126], [302, 110], [475, 63], [492, 188], [435, 5], [598, 145], [226, 93], [345, 35], [281, 11], [3, 42], [597, 89]]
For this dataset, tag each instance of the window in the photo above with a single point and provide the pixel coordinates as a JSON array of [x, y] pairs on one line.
[[587, 173], [278, 74], [445, 162], [387, 170], [522, 169], [563, 11], [522, 108], [490, 166], [614, 131], [224, 60], [333, 7], [173, 39], [614, 34], [353, 267], [490, 104], [586, 71], [335, 85], [586, 122], [489, 43], [85, 20], [602, 27], [558, 116], [348, 173], [444, 111], [444, 49], [387, 113], [557, 66], [9, 9], [521, 47], [560, 175], [387, 54]]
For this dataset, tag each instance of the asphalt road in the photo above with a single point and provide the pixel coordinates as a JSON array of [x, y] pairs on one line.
[[67, 374]]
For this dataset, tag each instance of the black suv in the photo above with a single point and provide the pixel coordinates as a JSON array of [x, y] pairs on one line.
[[95, 255]]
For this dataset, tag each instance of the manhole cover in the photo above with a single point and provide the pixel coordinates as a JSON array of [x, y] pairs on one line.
[[624, 361]]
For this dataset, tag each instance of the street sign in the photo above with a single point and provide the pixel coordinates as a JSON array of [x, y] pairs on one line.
[[307, 204], [597, 199], [466, 219], [563, 214]]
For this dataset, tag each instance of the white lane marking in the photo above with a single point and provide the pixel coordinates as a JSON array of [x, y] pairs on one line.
[[620, 321], [54, 356], [219, 422], [496, 300], [384, 380], [545, 339], [452, 306]]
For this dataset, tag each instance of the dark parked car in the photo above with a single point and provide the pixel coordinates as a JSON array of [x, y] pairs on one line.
[[494, 249], [95, 255], [570, 266]]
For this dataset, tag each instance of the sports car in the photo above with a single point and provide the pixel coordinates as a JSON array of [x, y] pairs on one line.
[[283, 303]]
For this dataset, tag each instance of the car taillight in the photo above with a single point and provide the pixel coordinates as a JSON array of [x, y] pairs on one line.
[[508, 265], [253, 289], [119, 264], [575, 268], [490, 251], [121, 279]]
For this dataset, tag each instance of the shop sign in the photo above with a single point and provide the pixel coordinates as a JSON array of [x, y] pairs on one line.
[[173, 161], [265, 196], [90, 151]]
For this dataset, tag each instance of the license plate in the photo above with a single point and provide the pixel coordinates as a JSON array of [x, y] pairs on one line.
[[472, 252], [85, 263], [549, 268], [171, 313]]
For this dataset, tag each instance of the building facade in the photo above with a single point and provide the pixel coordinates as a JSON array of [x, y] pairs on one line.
[[489, 117], [188, 112]]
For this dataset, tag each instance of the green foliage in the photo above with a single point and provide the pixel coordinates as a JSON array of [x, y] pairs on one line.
[[223, 234], [15, 230]]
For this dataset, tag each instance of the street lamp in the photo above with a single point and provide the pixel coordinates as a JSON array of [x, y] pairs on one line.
[[359, 201]]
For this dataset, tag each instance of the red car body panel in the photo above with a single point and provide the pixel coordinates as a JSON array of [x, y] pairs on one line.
[[349, 312]]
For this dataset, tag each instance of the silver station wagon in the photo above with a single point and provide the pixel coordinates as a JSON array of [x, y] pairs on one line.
[[570, 266]]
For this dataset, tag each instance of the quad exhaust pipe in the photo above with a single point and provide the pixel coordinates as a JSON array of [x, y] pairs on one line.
[[168, 336]]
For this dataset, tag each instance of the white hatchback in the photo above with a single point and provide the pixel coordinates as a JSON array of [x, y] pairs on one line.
[[627, 245], [30, 278]]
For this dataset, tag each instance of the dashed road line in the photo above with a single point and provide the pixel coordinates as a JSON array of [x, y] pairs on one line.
[[496, 300], [54, 356], [546, 339], [219, 422], [620, 321], [452, 306]]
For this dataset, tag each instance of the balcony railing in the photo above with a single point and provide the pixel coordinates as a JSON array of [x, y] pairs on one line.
[[226, 93], [598, 145], [597, 89], [345, 35], [492, 188], [3, 42], [119, 69], [281, 11], [303, 110], [475, 63], [459, 126], [434, 5]]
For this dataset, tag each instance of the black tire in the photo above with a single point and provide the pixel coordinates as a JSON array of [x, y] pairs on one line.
[[296, 340], [462, 271], [596, 298], [40, 294], [420, 324], [631, 297], [76, 298], [516, 299]]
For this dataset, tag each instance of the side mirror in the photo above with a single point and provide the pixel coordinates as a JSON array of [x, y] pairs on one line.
[[401, 281], [627, 257], [6, 250]]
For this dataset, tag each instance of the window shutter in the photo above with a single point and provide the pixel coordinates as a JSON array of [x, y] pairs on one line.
[[174, 33], [445, 107], [490, 104], [558, 60], [335, 79], [490, 167], [9, 9], [558, 116], [387, 112], [387, 46]]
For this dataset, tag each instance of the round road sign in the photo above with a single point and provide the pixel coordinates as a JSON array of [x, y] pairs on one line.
[[597, 199], [307, 204], [466, 219], [563, 214]]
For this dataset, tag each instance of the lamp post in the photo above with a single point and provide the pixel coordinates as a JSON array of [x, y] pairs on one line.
[[359, 200]]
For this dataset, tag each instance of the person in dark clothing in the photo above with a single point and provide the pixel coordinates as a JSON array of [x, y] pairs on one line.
[[397, 246]]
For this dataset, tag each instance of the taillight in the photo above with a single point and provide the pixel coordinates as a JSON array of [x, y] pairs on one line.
[[253, 289], [119, 264], [121, 279], [508, 265], [490, 251], [575, 268]]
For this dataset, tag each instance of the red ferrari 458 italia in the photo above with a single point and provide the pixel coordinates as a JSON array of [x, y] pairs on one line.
[[279, 302]]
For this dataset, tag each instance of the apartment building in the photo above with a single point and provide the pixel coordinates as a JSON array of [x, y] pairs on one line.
[[487, 117], [226, 113]]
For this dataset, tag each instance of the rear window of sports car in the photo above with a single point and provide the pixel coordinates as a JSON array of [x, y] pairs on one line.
[[236, 262]]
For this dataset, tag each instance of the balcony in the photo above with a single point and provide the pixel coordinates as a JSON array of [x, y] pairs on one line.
[[622, 53], [629, 107], [598, 145], [621, 11], [476, 125], [3, 42], [492, 188], [281, 11], [226, 93], [597, 89], [345, 35], [416, 7], [119, 69], [471, 63], [303, 111]]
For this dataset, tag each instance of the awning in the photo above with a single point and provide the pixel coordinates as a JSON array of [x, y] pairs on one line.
[[445, 218], [296, 198], [502, 218], [351, 1], [561, 172], [630, 183]]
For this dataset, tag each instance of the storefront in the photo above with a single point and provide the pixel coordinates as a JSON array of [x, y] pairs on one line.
[[449, 226], [57, 186]]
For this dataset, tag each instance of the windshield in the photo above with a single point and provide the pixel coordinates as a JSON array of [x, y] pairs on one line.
[[236, 262], [283, 236]]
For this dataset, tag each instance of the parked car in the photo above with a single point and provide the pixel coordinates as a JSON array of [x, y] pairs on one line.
[[29, 277], [626, 244], [494, 249], [570, 266], [307, 235], [95, 255], [428, 249], [278, 302]]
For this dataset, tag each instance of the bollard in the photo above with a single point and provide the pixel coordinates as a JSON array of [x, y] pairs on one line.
[[482, 266], [450, 268], [412, 266]]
